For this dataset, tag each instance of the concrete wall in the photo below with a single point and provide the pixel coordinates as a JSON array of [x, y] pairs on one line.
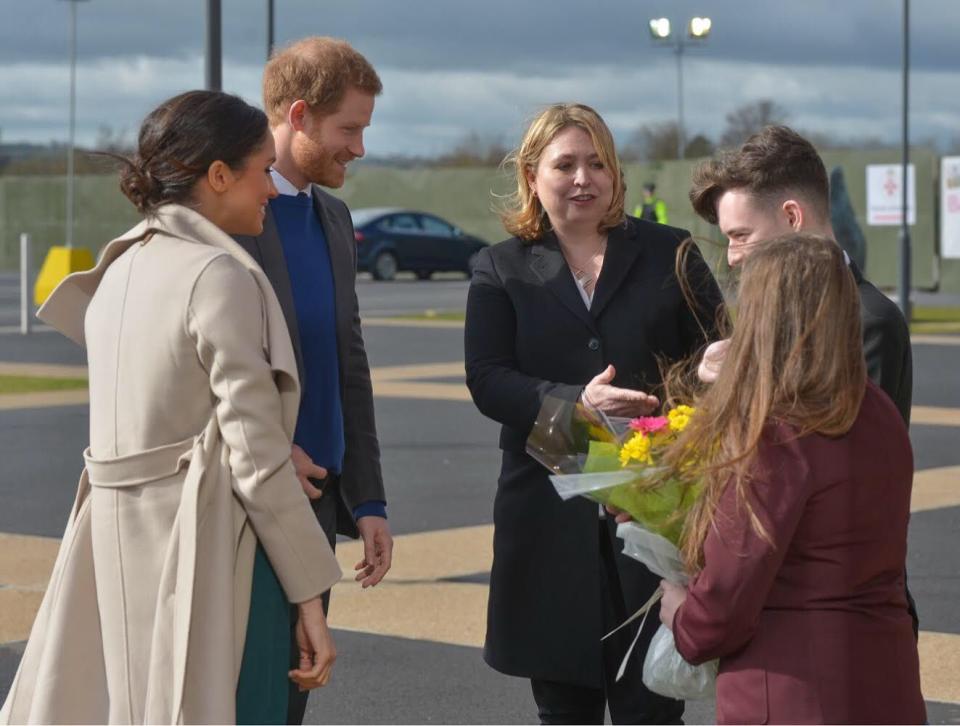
[[468, 198]]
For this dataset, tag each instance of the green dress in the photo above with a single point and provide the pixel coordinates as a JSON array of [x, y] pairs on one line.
[[263, 687]]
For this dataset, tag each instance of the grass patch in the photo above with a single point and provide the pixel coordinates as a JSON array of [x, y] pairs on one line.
[[459, 315], [928, 319], [925, 314], [35, 384]]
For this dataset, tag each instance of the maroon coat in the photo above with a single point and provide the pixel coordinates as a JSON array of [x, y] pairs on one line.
[[814, 627]]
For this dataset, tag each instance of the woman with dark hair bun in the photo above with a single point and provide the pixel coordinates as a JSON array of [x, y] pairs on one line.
[[190, 533]]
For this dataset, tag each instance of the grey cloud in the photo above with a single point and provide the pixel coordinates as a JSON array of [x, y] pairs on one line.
[[551, 36]]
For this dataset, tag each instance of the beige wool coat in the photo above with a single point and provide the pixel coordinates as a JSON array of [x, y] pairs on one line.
[[193, 402]]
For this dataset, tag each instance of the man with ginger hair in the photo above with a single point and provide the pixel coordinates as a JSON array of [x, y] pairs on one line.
[[319, 96], [775, 184]]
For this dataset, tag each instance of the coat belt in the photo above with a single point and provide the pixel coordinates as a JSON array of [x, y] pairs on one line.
[[141, 467], [197, 454]]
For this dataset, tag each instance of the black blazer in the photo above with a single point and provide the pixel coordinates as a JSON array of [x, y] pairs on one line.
[[361, 479], [886, 344], [528, 335]]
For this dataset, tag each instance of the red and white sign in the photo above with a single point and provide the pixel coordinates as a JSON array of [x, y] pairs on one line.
[[950, 207], [885, 195]]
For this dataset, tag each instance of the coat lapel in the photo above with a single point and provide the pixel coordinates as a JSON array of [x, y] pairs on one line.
[[623, 249], [339, 240], [268, 251], [548, 264]]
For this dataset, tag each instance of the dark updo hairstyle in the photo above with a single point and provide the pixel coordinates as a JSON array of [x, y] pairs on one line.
[[179, 141]]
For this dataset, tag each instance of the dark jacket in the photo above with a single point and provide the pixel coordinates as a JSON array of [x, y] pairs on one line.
[[361, 480], [886, 344], [529, 335], [812, 626]]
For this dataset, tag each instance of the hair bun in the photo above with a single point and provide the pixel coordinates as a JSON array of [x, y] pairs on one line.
[[139, 185]]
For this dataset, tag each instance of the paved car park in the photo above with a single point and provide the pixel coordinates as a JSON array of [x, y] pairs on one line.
[[409, 649]]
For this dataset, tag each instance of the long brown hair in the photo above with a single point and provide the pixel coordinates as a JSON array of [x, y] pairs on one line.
[[795, 357], [522, 215]]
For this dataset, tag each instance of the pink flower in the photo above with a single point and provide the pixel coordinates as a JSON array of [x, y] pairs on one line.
[[649, 424]]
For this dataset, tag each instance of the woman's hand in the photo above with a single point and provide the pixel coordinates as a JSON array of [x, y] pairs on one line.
[[317, 652], [673, 597], [619, 516], [617, 401]]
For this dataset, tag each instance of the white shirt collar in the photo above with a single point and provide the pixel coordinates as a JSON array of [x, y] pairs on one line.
[[285, 186]]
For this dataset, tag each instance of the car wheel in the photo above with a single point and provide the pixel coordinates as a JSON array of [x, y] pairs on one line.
[[384, 266], [424, 274]]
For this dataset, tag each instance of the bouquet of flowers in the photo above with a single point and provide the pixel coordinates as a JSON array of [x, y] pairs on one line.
[[611, 460], [614, 461]]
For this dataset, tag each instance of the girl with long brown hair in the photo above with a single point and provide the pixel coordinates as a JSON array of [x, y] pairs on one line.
[[798, 539]]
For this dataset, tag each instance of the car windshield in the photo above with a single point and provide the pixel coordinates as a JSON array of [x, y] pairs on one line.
[[364, 216]]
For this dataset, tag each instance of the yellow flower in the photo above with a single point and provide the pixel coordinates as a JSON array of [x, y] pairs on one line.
[[679, 417], [636, 449]]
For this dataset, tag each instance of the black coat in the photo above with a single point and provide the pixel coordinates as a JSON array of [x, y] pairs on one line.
[[528, 335], [886, 344]]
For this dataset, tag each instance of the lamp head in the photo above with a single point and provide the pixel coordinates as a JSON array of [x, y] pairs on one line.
[[700, 27], [660, 28]]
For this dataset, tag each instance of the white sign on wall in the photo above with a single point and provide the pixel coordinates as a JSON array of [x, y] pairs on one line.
[[950, 206], [885, 194]]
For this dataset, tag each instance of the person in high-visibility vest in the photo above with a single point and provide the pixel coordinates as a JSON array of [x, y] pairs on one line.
[[652, 209]]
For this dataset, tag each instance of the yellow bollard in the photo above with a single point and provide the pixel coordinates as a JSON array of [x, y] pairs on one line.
[[60, 262]]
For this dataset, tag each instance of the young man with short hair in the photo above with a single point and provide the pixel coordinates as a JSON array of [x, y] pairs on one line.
[[775, 184]]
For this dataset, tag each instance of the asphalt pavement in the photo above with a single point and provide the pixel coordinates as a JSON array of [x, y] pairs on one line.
[[409, 649]]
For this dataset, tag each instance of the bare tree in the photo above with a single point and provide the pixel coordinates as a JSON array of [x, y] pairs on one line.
[[699, 147], [474, 150], [747, 120], [658, 142], [652, 142]]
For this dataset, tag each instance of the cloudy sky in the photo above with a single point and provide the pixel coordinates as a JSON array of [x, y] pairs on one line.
[[451, 67]]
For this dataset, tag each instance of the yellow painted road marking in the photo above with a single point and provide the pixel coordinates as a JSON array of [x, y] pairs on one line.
[[414, 602], [410, 323], [939, 666], [935, 489], [42, 370], [44, 399], [935, 339], [935, 416], [418, 371], [421, 391]]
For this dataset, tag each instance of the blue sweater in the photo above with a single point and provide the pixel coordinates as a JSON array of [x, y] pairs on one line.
[[320, 422]]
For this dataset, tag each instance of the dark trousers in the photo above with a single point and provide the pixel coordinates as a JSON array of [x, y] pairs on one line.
[[629, 701], [326, 510]]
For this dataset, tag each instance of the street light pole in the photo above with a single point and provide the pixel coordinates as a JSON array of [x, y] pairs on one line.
[[269, 28], [698, 29], [214, 77], [73, 122], [681, 133], [905, 225]]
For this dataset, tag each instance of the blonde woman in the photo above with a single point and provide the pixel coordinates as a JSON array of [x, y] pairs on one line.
[[579, 303], [800, 538]]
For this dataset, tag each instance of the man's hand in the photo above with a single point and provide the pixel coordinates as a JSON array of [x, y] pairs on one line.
[[306, 469], [673, 597], [713, 356], [377, 550], [317, 651], [617, 401]]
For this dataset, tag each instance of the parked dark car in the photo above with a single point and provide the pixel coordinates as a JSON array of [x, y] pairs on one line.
[[394, 240]]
